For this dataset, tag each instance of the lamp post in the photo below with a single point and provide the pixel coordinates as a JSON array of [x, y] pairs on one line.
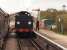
[[62, 28], [64, 6], [61, 19], [38, 10], [38, 18], [61, 24]]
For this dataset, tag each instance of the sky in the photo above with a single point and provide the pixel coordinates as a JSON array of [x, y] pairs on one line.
[[12, 6]]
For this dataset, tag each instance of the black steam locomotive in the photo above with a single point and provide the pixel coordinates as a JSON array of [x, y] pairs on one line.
[[24, 25]]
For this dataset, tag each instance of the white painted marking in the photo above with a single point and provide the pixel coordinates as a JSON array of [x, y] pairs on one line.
[[13, 33], [51, 41]]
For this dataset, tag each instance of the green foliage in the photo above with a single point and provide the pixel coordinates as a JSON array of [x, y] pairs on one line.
[[42, 17]]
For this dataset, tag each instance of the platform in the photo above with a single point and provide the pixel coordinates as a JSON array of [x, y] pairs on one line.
[[56, 37]]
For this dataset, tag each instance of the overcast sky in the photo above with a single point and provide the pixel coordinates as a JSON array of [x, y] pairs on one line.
[[11, 6]]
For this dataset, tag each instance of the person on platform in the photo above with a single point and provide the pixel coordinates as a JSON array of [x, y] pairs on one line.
[[37, 25]]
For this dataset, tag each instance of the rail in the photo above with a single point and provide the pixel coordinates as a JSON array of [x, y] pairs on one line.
[[31, 42], [4, 44]]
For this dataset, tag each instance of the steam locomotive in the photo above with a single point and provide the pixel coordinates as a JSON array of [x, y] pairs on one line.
[[24, 25]]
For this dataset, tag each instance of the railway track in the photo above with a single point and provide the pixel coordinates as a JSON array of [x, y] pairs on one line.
[[40, 43], [28, 44], [10, 44], [20, 44]]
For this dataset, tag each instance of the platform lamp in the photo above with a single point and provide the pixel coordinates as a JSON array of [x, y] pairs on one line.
[[61, 18], [38, 10]]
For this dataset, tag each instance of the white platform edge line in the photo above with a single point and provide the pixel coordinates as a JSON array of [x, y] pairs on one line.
[[51, 41]]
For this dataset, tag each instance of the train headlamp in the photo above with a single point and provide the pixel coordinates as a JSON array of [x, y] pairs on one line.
[[29, 22], [18, 22]]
